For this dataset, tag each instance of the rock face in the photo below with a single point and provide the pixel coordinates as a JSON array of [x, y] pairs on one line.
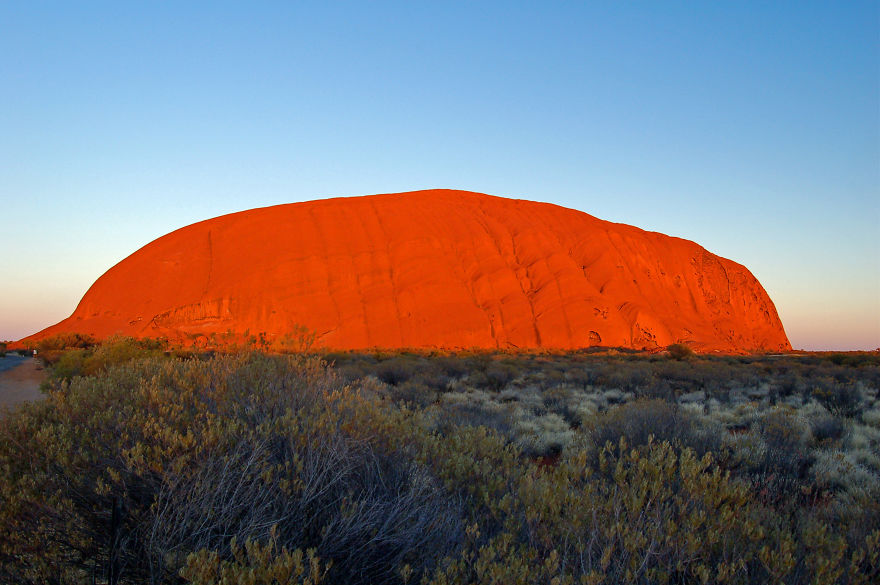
[[428, 269]]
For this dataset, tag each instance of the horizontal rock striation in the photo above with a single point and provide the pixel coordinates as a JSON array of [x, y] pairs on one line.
[[430, 269]]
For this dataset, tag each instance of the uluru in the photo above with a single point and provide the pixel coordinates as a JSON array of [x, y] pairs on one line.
[[430, 269]]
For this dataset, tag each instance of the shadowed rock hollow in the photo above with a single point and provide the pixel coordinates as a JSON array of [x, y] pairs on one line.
[[425, 269]]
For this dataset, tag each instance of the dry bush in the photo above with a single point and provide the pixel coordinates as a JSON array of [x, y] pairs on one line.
[[871, 414], [130, 472], [452, 367], [542, 436], [827, 430], [416, 393], [494, 377], [396, 370], [262, 469], [642, 421], [840, 398], [472, 409], [780, 476], [680, 351]]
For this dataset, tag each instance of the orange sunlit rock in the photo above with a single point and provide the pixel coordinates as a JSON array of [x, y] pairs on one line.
[[428, 269]]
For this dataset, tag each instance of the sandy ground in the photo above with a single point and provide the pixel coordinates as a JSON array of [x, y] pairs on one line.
[[20, 380]]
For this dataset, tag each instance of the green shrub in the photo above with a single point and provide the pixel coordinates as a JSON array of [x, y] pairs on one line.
[[69, 363], [647, 515], [117, 350], [255, 564], [88, 361], [66, 341]]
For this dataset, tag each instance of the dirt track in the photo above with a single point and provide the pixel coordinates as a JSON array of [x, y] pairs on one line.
[[21, 381]]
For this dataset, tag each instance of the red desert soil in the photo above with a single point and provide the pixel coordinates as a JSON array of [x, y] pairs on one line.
[[429, 269], [20, 382]]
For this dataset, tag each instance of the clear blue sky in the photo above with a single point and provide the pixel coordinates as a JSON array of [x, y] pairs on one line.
[[752, 128]]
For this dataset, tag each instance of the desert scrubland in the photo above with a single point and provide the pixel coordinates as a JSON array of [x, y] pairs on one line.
[[145, 464]]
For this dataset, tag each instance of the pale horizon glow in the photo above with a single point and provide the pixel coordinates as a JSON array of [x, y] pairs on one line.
[[753, 130]]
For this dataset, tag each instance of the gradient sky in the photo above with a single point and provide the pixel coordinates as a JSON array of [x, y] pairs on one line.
[[752, 128]]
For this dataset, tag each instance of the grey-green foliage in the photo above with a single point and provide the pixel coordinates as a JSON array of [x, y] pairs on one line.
[[254, 468]]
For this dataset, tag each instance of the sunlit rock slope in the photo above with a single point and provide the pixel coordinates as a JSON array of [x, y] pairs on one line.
[[427, 269]]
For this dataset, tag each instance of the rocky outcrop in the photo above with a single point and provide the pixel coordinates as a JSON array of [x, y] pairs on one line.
[[428, 269]]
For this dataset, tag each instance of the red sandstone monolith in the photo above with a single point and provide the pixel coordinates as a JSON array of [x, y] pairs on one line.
[[430, 269]]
